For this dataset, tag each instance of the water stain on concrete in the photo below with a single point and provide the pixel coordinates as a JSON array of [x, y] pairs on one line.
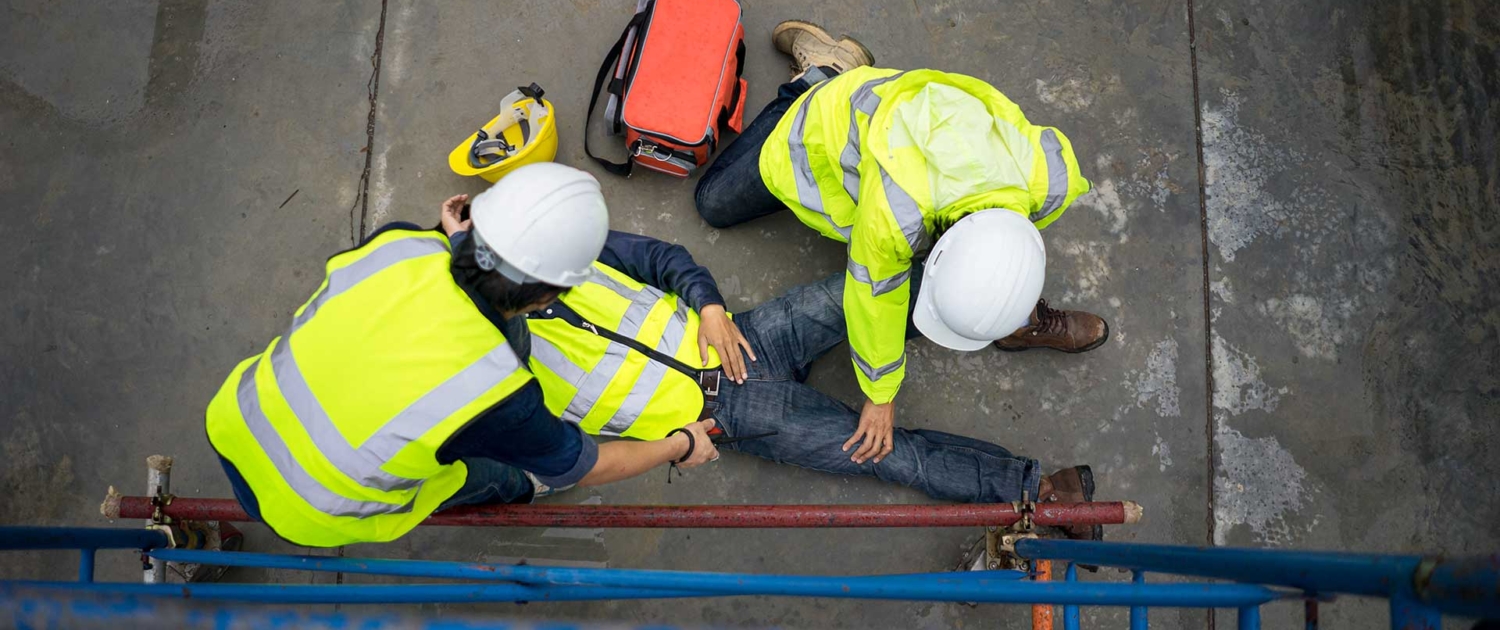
[[1091, 269], [1317, 326], [1239, 165], [1257, 483], [1159, 380]]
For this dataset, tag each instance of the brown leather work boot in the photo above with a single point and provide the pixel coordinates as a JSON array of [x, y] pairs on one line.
[[810, 45], [1068, 331], [1071, 485]]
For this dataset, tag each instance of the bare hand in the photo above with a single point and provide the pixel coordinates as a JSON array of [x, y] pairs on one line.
[[717, 330], [451, 215], [704, 450], [877, 423]]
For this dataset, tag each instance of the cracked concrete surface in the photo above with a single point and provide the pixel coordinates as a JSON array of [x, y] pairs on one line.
[[1306, 358]]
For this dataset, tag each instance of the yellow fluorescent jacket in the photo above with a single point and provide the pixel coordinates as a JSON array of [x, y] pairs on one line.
[[885, 161]]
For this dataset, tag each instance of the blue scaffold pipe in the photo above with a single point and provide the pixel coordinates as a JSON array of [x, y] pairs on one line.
[[56, 609], [1249, 618], [15, 538], [472, 571], [86, 565], [1070, 612], [1462, 586], [1317, 572], [356, 593], [1009, 592], [1468, 586], [1138, 619], [1407, 614], [925, 587]]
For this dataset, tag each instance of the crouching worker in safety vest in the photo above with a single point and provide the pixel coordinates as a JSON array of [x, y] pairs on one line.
[[902, 166], [643, 348], [394, 392]]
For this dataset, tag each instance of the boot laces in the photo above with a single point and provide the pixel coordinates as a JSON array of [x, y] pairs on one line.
[[1050, 321]]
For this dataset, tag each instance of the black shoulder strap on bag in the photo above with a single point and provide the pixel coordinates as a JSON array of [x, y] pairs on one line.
[[558, 310], [615, 52]]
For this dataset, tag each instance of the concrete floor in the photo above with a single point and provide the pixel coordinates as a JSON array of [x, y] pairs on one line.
[[1291, 233]]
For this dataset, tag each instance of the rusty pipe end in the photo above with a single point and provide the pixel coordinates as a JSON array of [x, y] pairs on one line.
[[159, 463], [110, 508], [1133, 511]]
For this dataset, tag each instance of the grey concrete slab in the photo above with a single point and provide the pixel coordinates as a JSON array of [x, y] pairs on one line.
[[1351, 176], [1115, 77], [173, 181], [150, 245]]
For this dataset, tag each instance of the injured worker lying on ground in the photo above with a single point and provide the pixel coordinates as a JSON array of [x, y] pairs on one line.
[[644, 347], [370, 413]]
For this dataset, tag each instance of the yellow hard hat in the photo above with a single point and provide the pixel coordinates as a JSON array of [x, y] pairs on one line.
[[525, 132]]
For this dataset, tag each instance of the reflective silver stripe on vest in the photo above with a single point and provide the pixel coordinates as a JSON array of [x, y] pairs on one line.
[[345, 278], [645, 385], [864, 100], [642, 302], [362, 467], [548, 354], [908, 214], [592, 384], [441, 402], [861, 273], [676, 331], [636, 401], [301, 482], [807, 187], [874, 373], [591, 387], [363, 464], [1057, 176]]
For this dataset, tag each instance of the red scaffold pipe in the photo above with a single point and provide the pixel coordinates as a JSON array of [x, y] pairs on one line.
[[705, 516]]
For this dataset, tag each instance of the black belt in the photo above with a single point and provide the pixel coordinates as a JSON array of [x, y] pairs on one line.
[[708, 381]]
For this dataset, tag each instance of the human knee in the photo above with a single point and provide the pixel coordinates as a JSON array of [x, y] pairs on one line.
[[714, 210]]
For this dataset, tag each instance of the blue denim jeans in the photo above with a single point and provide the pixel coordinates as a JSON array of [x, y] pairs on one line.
[[791, 331], [788, 333], [490, 481], [731, 190]]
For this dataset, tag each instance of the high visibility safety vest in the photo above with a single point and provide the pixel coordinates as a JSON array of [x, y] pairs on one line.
[[605, 386], [886, 161], [337, 425]]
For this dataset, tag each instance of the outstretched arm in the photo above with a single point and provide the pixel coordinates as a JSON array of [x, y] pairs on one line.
[[623, 459]]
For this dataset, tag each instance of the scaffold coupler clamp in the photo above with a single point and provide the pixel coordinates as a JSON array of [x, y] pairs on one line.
[[1000, 544], [163, 523]]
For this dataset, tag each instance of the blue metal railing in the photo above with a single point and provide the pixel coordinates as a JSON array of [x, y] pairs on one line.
[[1419, 589]]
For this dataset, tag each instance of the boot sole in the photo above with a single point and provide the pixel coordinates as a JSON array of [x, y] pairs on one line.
[[1086, 475], [1097, 342], [823, 36]]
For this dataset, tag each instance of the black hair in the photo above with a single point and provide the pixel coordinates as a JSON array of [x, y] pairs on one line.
[[503, 294]]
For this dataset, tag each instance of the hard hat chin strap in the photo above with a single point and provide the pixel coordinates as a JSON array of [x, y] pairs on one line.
[[489, 142]]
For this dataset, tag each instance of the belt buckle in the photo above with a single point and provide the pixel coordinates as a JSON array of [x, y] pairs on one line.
[[711, 390]]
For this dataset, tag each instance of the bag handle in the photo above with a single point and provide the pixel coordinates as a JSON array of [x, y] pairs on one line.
[[605, 70]]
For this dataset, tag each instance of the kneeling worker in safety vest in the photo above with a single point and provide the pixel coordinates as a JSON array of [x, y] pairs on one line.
[[643, 348], [904, 166], [394, 393]]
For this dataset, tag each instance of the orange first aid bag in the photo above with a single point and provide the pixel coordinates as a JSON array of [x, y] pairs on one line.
[[674, 84]]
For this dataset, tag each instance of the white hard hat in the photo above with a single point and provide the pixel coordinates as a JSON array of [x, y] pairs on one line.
[[982, 280], [542, 222]]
